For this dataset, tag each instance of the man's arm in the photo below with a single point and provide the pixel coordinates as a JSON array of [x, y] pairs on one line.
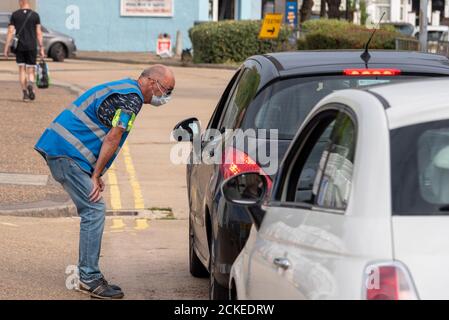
[[40, 40], [11, 31], [110, 145]]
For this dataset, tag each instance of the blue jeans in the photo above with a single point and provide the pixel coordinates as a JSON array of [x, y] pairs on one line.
[[78, 185]]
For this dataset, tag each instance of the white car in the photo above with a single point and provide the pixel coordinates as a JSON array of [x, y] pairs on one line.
[[434, 33], [360, 206]]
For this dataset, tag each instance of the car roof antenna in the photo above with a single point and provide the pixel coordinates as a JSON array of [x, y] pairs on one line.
[[365, 55]]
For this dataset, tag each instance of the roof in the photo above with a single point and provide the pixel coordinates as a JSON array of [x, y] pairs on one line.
[[290, 63], [415, 102]]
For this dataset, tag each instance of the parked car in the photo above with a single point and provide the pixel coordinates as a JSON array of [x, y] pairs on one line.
[[359, 208], [58, 46], [273, 91], [435, 33]]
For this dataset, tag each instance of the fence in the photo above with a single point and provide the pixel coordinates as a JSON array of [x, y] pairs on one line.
[[404, 44], [440, 47]]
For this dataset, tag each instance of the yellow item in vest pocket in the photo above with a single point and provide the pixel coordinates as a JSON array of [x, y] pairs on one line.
[[123, 119]]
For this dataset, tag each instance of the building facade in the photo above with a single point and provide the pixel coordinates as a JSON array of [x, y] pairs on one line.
[[135, 25]]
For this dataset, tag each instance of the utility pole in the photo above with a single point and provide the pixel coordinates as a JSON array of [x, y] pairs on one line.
[[423, 25]]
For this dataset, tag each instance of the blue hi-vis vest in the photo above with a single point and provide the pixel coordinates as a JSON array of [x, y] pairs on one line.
[[77, 132]]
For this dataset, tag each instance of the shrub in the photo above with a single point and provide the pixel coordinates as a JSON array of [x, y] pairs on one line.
[[340, 34], [232, 41]]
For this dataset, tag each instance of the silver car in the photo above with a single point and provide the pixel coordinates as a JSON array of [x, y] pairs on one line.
[[58, 46]]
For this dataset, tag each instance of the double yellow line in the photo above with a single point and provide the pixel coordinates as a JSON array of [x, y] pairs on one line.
[[116, 203]]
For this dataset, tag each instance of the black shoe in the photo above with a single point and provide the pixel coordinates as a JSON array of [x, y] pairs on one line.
[[31, 92], [100, 289], [26, 97], [113, 286]]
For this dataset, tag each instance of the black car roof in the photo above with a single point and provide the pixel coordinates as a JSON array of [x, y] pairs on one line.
[[303, 62]]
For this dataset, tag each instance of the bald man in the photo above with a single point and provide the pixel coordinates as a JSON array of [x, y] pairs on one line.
[[81, 144]]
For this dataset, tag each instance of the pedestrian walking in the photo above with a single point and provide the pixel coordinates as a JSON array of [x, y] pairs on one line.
[[24, 36], [81, 144]]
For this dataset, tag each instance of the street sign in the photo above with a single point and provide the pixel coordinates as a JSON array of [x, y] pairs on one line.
[[271, 26], [163, 47], [291, 13]]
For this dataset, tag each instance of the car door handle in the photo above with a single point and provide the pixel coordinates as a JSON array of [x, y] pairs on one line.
[[282, 263]]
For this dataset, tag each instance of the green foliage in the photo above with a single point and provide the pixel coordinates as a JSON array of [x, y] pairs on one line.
[[232, 41], [340, 34]]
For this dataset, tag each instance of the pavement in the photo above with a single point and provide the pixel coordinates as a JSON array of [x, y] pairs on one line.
[[145, 247], [24, 177], [147, 259], [146, 58], [146, 178]]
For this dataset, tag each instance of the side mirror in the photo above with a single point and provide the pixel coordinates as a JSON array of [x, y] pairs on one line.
[[249, 190], [186, 130], [245, 189]]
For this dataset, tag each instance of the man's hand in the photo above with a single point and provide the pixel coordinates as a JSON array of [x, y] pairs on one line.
[[42, 52], [6, 52], [97, 189]]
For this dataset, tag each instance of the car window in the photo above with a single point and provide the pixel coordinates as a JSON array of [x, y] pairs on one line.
[[284, 104], [420, 169], [313, 143], [241, 97], [321, 175], [435, 35], [334, 178], [306, 189], [216, 116]]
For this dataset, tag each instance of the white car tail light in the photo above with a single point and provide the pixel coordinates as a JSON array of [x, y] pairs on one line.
[[388, 281]]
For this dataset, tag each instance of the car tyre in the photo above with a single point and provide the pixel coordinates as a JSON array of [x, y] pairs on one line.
[[216, 290], [57, 52], [196, 267]]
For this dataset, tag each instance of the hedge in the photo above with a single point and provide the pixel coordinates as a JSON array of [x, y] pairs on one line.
[[232, 41], [340, 34]]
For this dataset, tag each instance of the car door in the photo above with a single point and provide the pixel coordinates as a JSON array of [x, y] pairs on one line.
[[199, 174], [294, 255]]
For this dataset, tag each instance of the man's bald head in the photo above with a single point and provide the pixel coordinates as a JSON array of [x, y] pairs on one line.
[[157, 80]]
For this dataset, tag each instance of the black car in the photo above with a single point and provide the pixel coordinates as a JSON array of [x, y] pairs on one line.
[[273, 91]]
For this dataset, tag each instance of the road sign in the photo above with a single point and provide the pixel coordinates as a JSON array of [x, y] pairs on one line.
[[291, 13], [271, 26]]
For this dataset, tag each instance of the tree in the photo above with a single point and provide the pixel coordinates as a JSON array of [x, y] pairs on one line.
[[363, 13], [306, 10], [333, 9], [323, 9]]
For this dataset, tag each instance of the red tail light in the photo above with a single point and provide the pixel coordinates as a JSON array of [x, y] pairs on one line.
[[236, 162], [371, 72], [389, 281]]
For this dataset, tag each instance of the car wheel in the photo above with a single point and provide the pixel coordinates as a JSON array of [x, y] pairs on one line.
[[57, 52], [216, 290], [197, 269]]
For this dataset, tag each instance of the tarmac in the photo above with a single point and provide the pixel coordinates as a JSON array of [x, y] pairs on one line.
[[37, 194]]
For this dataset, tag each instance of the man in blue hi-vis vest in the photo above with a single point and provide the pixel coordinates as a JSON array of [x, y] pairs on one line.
[[81, 144]]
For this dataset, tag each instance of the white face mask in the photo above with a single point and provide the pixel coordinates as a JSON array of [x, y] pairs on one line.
[[159, 101]]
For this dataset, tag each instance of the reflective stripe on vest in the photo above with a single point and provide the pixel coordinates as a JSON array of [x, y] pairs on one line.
[[74, 141], [80, 114], [102, 92]]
